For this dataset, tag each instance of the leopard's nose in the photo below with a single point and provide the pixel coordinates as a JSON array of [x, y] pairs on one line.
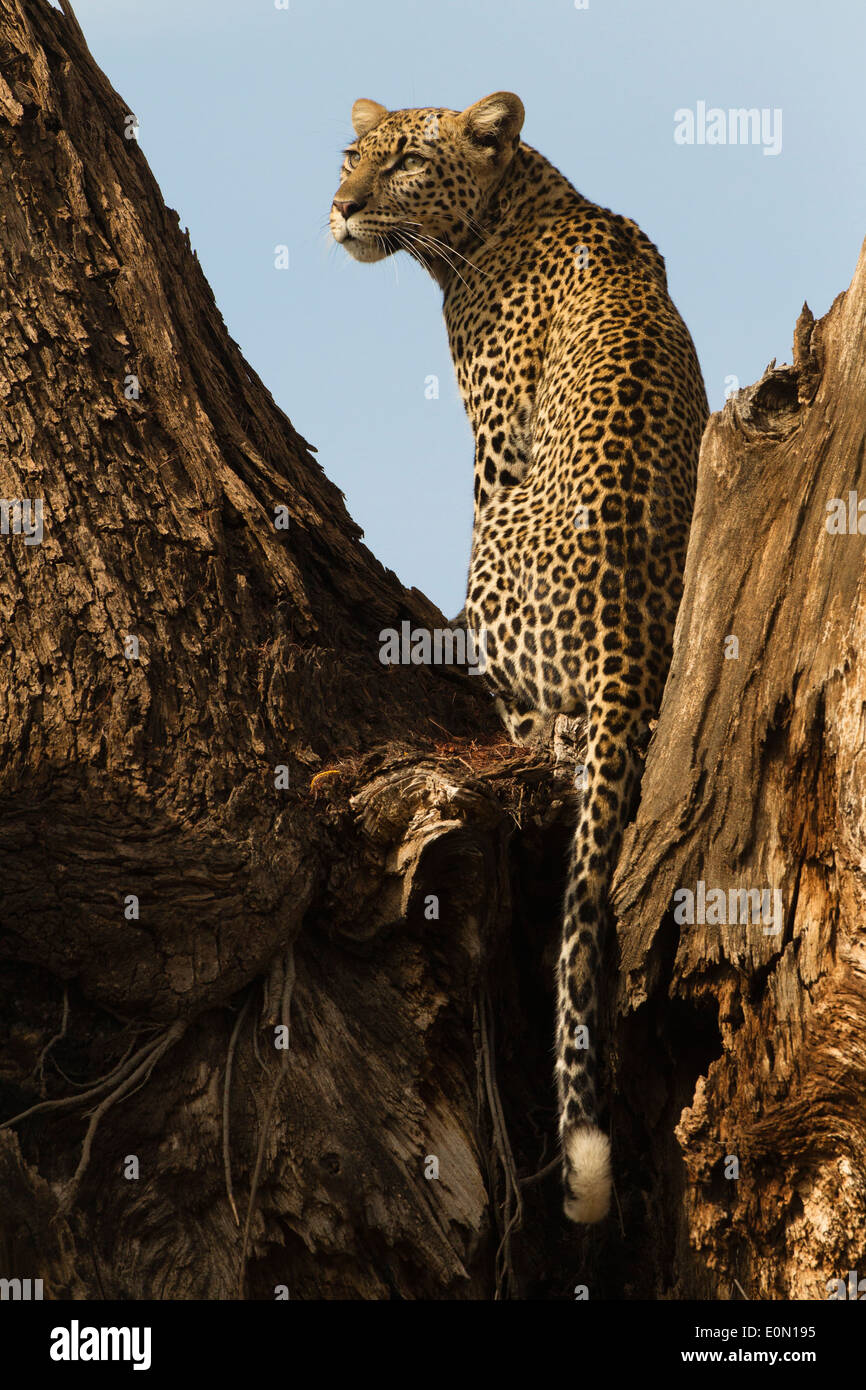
[[347, 208]]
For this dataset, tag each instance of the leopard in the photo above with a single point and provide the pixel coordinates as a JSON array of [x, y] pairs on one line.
[[587, 404]]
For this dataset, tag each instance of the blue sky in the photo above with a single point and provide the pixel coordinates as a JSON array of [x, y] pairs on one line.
[[243, 109]]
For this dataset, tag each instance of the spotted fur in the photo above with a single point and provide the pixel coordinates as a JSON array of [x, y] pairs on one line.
[[587, 402]]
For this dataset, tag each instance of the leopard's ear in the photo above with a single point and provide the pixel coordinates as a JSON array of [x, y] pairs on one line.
[[494, 121], [366, 114]]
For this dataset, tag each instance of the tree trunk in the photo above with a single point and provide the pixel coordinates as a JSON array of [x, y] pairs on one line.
[[756, 1138], [227, 824]]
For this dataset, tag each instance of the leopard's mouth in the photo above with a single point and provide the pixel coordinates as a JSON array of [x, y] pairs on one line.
[[366, 245], [384, 241]]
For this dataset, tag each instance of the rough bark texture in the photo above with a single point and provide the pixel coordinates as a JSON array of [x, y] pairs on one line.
[[398, 903], [757, 780]]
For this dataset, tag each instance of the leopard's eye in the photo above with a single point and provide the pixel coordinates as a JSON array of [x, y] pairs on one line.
[[412, 162], [353, 158]]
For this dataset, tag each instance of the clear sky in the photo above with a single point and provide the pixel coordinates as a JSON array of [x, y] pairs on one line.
[[243, 109]]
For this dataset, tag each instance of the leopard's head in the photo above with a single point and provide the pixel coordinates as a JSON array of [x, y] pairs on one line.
[[415, 180]]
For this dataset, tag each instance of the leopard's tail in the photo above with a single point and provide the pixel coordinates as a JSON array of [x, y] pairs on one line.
[[610, 779]]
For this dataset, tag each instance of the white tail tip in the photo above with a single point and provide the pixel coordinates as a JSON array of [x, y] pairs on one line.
[[589, 1180]]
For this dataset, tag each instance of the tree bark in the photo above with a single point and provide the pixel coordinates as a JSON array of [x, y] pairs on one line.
[[155, 776], [757, 780], [395, 908]]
